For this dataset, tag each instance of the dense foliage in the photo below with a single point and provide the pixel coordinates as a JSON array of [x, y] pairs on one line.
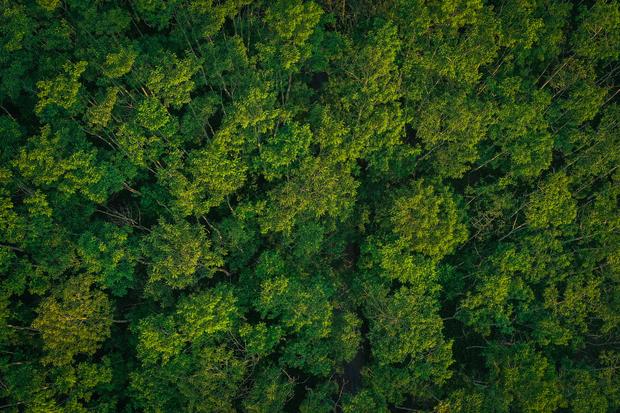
[[314, 206]]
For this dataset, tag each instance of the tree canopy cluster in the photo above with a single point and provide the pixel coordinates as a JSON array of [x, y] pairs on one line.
[[315, 206]]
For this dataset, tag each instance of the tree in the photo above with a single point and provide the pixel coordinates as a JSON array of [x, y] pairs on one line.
[[187, 358], [179, 254], [74, 321]]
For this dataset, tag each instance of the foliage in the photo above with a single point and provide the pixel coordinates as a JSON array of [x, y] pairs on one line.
[[309, 205]]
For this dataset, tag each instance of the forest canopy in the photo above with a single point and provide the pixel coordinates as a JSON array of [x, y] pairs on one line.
[[269, 206]]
